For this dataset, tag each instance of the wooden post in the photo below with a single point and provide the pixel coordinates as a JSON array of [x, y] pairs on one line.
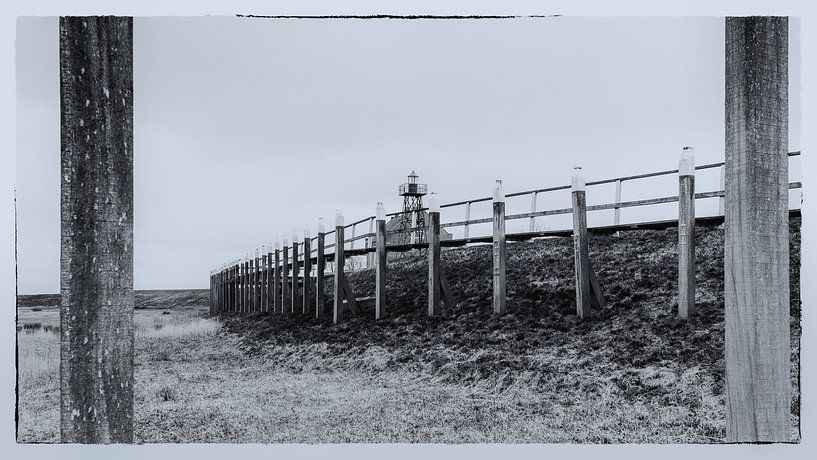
[[532, 210], [756, 246], [96, 260], [721, 211], [500, 305], [246, 284], [686, 233], [581, 252], [339, 265], [253, 284], [270, 287], [264, 278], [306, 289], [617, 210], [212, 292], [286, 307], [433, 233], [233, 287], [413, 234], [319, 269], [296, 271], [467, 218], [380, 263], [276, 280]]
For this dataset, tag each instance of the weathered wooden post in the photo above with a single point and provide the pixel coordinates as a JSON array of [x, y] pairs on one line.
[[617, 210], [263, 284], [277, 306], [380, 262], [96, 260], [319, 269], [286, 307], [339, 266], [233, 290], [270, 291], [686, 233], [306, 289], [533, 210], [296, 271], [581, 252], [433, 237], [246, 284], [499, 259], [756, 246], [467, 218], [212, 291], [253, 285]]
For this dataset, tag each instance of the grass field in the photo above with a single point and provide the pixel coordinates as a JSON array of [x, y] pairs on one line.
[[634, 373]]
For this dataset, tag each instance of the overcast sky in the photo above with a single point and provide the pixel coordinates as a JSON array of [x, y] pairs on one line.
[[247, 129]]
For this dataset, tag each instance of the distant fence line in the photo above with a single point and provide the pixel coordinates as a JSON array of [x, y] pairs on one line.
[[271, 280]]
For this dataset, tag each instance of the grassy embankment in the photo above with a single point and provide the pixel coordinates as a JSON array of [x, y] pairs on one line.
[[634, 373]]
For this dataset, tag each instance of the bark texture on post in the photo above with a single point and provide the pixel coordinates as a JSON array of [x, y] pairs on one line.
[[285, 306], [276, 282], [96, 259], [306, 288], [340, 261], [499, 256], [581, 254], [296, 271], [756, 249]]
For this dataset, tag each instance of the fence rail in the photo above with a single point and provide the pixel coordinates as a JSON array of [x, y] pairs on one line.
[[271, 281]]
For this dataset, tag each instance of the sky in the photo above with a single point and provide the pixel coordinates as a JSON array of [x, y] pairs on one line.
[[246, 130]]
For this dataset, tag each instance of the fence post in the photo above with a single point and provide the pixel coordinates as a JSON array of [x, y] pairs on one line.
[[246, 306], [339, 266], [212, 288], [413, 234], [581, 253], [532, 210], [228, 285], [380, 262], [268, 283], [500, 305], [756, 247], [285, 306], [306, 290], [277, 305], [723, 187], [296, 271], [617, 210], [433, 233], [254, 282], [467, 218], [321, 267], [686, 233]]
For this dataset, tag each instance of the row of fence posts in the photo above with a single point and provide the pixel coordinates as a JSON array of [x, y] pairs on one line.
[[270, 283]]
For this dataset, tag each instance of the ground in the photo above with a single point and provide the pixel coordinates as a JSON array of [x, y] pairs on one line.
[[633, 373]]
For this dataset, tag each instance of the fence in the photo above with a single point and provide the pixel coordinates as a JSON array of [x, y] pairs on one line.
[[271, 280]]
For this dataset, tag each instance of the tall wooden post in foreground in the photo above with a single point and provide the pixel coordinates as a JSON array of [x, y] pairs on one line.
[[756, 246], [319, 269], [580, 249], [434, 272], [686, 233], [380, 262], [340, 262], [500, 305], [96, 258]]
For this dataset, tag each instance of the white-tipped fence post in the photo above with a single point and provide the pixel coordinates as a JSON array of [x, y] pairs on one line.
[[617, 210], [500, 305], [467, 218], [380, 261], [434, 274], [296, 271], [306, 289], [276, 280], [319, 269], [581, 252], [254, 281], [285, 305], [262, 282], [270, 280], [339, 266], [756, 247], [532, 210], [686, 233]]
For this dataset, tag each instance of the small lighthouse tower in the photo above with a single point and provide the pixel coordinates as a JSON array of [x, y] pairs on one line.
[[412, 194]]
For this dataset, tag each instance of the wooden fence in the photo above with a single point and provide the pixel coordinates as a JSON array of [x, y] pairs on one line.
[[271, 281]]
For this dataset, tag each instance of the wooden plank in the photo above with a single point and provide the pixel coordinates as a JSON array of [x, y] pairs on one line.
[[380, 270], [499, 258], [340, 261], [306, 289], [448, 298], [686, 235], [319, 276], [756, 256], [580, 249], [433, 264], [296, 271]]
